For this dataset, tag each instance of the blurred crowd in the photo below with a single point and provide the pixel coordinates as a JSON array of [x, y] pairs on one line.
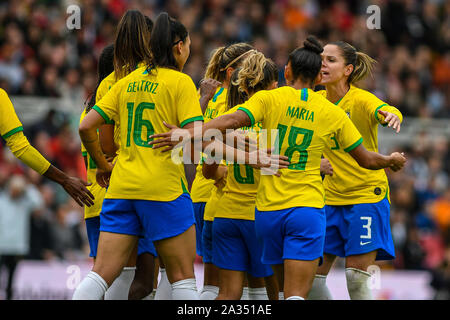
[[40, 56]]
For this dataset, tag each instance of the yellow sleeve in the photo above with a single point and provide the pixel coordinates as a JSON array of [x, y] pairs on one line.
[[323, 93], [373, 104], [255, 107], [188, 105], [232, 110], [346, 134], [390, 109], [9, 122], [108, 106], [22, 150]]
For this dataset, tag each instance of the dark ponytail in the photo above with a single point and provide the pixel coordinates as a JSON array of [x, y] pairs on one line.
[[306, 62], [166, 33], [104, 68], [131, 43]]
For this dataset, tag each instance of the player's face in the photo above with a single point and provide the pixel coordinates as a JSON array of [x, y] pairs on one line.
[[182, 51], [334, 68]]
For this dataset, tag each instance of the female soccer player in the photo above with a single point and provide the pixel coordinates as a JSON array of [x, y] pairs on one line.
[[357, 199], [236, 250], [220, 67], [142, 195], [290, 218], [12, 131], [136, 279]]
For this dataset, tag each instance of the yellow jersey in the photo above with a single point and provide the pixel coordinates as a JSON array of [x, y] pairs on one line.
[[239, 194], [9, 122], [140, 102], [350, 183], [95, 188], [299, 123], [12, 131], [201, 187]]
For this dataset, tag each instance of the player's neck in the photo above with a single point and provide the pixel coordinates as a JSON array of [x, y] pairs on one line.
[[336, 91], [299, 84], [225, 84]]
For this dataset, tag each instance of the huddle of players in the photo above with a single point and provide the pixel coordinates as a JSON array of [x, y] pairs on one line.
[[269, 233]]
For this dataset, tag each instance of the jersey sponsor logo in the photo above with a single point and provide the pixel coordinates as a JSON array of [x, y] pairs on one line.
[[377, 191]]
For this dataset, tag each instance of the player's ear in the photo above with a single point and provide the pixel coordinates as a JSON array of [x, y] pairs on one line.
[[318, 79], [348, 70], [229, 72], [179, 46], [287, 73], [274, 85]]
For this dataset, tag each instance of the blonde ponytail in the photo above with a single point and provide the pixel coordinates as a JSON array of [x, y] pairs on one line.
[[251, 72], [225, 57], [364, 67], [256, 73], [213, 68]]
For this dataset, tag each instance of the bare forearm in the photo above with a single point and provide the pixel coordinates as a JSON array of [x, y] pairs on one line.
[[92, 144], [221, 151], [378, 161], [55, 175], [222, 123], [204, 103], [372, 160]]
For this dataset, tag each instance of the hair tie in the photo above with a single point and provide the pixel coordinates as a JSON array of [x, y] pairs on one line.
[[236, 59]]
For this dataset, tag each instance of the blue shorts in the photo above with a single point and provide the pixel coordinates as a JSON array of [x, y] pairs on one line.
[[199, 210], [93, 233], [146, 246], [154, 220], [207, 241], [235, 247], [294, 233], [359, 228]]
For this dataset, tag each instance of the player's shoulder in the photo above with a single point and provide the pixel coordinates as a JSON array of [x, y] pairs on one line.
[[3, 93], [359, 94], [273, 93], [319, 97], [173, 79], [323, 93]]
